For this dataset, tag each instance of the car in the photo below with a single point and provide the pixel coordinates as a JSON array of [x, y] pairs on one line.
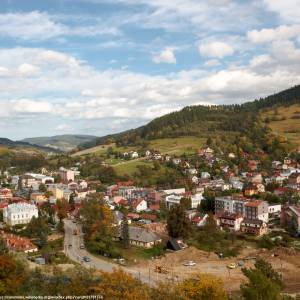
[[189, 263], [86, 259], [81, 246], [70, 246], [241, 263], [232, 266]]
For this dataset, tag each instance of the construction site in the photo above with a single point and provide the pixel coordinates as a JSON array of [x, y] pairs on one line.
[[173, 266]]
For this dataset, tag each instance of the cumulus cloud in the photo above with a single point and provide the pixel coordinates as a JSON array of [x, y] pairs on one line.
[[270, 34], [288, 10], [91, 94], [166, 56], [215, 49]]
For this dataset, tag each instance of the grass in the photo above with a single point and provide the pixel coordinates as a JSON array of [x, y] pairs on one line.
[[130, 167], [288, 123], [180, 145]]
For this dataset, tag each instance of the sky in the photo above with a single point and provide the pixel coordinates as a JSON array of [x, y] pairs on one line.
[[103, 66]]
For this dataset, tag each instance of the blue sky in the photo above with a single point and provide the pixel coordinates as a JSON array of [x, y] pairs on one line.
[[103, 66]]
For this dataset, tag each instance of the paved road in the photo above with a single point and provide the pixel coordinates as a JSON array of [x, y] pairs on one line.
[[76, 254]]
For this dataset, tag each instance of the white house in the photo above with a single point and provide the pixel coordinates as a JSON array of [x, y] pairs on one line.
[[173, 199], [134, 154], [174, 191], [274, 209], [196, 200], [205, 175], [139, 205], [19, 213]]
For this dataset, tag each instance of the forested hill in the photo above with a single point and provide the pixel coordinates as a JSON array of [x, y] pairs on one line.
[[4, 142], [230, 121]]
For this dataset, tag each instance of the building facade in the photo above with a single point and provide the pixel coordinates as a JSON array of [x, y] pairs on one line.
[[19, 213]]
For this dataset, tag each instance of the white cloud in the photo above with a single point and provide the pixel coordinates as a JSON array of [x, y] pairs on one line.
[[270, 34], [215, 49], [288, 10], [166, 56], [28, 70], [211, 63], [79, 92], [64, 127], [37, 25]]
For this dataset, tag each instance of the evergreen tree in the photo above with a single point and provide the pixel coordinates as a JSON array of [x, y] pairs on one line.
[[3, 248], [178, 224], [125, 232]]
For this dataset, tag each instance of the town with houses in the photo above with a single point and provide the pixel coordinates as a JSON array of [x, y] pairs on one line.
[[237, 205]]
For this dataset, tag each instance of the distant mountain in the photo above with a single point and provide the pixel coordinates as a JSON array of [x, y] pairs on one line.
[[4, 142], [64, 143], [240, 124]]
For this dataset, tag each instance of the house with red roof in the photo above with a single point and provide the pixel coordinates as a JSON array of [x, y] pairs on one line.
[[139, 205]]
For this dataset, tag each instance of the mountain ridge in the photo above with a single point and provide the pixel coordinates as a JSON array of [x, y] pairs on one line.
[[203, 121]]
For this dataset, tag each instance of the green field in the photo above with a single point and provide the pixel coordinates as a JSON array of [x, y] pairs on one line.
[[180, 145], [285, 121], [130, 167]]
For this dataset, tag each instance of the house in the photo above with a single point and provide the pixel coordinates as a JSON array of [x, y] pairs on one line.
[[254, 226], [173, 199], [191, 171], [274, 209], [148, 218], [231, 221], [134, 154], [17, 243], [196, 200], [195, 179], [19, 213], [38, 198], [66, 175], [5, 194], [252, 165], [174, 191], [232, 204], [176, 161], [199, 219], [257, 210], [205, 175], [139, 205], [237, 184], [141, 237], [290, 214], [208, 152], [257, 178], [251, 190], [231, 155], [294, 179]]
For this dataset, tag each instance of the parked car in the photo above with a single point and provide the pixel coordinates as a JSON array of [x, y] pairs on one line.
[[232, 266], [241, 263], [70, 246], [81, 246], [86, 259], [190, 263]]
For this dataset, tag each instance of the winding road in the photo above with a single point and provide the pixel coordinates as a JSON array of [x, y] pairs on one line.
[[76, 254]]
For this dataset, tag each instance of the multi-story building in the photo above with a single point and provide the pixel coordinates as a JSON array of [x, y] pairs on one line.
[[290, 216], [19, 213], [173, 199], [232, 204], [243, 206], [66, 175], [257, 210]]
